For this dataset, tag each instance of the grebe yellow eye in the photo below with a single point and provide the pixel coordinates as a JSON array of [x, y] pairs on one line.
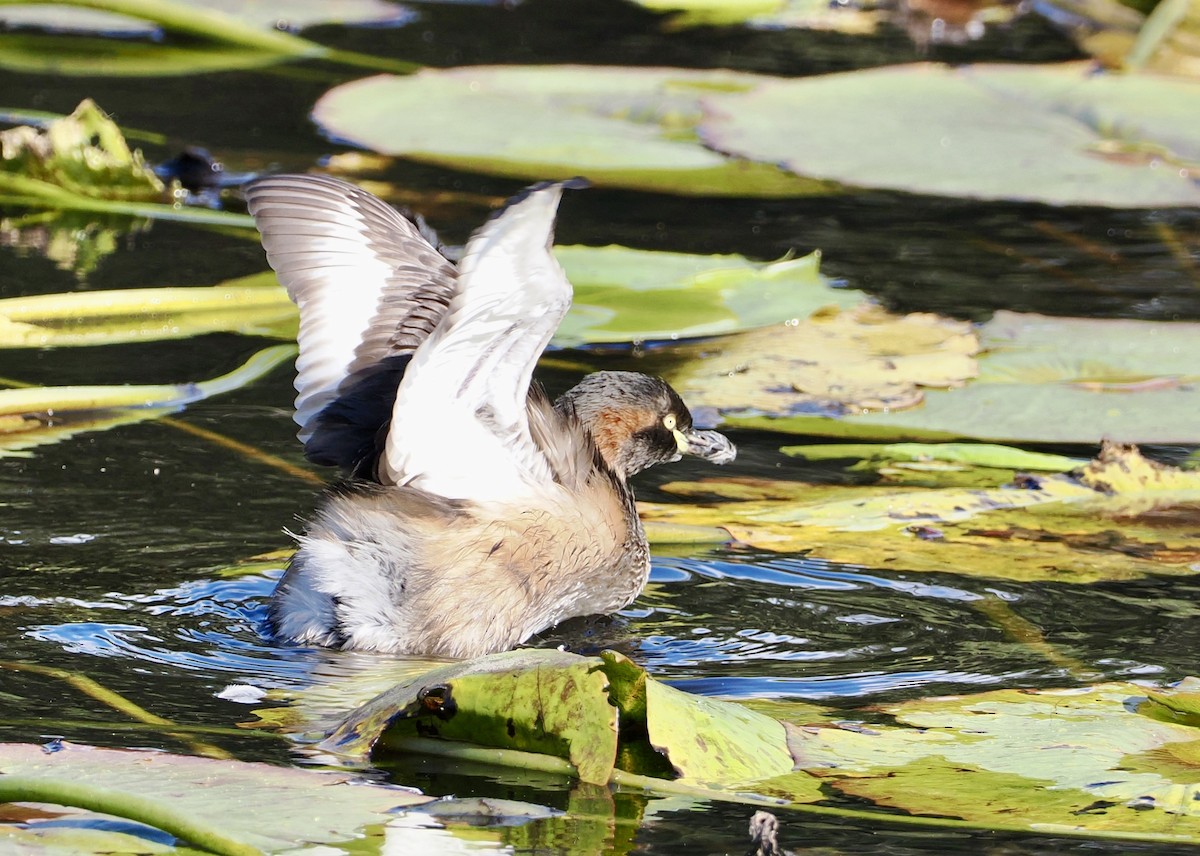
[[669, 421]]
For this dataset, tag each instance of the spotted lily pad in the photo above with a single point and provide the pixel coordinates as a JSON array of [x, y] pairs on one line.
[[1096, 524], [830, 362], [1040, 379]]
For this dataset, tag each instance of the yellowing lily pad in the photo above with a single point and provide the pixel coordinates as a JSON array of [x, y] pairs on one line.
[[1061, 134], [618, 127], [831, 361], [1071, 528], [1040, 379]]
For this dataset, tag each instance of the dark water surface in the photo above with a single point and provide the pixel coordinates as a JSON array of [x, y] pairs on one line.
[[112, 544]]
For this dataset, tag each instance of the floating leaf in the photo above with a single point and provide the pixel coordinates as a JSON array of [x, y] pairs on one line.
[[624, 295], [1041, 760], [35, 416], [1061, 134], [561, 704], [1076, 529], [617, 127], [1041, 380], [707, 741], [82, 56], [532, 701], [252, 305], [864, 359], [265, 806]]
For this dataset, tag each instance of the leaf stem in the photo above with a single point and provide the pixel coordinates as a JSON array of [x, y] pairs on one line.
[[122, 804]]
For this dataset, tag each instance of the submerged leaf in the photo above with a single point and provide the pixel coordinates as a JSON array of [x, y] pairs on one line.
[[1060, 134], [35, 416], [617, 127]]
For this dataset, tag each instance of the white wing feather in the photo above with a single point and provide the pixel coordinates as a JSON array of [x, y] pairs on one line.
[[459, 427]]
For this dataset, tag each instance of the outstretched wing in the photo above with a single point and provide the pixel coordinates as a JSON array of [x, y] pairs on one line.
[[459, 426], [370, 289]]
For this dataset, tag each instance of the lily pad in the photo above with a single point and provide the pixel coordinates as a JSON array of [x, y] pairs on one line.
[[1040, 380], [986, 455], [830, 362], [258, 805], [625, 295], [617, 127], [562, 704], [1044, 760], [532, 701], [1062, 134], [1076, 528]]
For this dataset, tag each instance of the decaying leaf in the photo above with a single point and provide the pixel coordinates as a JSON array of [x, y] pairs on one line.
[[830, 362], [84, 153]]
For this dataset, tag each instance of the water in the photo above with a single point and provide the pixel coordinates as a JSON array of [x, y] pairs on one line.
[[114, 545]]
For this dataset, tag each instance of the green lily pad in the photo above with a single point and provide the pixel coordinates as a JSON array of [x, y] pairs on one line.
[[532, 701], [1062, 134], [617, 127], [1041, 760], [92, 56], [562, 704], [260, 805], [625, 295]]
